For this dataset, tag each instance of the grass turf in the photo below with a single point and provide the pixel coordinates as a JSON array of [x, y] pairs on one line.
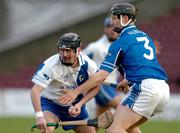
[[22, 125]]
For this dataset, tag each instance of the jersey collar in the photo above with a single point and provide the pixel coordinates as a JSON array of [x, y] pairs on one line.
[[126, 28], [81, 59]]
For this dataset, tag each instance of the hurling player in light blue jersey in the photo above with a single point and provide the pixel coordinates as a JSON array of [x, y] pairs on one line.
[[108, 97], [135, 52], [56, 76]]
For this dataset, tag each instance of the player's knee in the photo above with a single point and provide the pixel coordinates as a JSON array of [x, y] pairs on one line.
[[49, 130], [85, 129], [90, 130], [134, 130], [115, 130]]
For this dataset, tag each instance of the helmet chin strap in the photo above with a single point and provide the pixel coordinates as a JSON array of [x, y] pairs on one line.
[[121, 18], [118, 30]]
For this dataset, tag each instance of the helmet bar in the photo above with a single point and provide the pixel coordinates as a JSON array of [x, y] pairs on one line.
[[68, 44]]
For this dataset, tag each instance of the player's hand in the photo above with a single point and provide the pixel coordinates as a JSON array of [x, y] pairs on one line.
[[68, 97], [41, 124], [123, 86], [75, 110]]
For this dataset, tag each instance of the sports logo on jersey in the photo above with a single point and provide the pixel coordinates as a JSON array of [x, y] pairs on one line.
[[65, 78], [81, 78], [46, 76]]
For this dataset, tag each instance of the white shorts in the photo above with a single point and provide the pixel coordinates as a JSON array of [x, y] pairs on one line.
[[148, 97]]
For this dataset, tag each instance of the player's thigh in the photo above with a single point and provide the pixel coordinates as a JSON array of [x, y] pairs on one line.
[[124, 118], [101, 109], [85, 129], [50, 117], [115, 101], [105, 95]]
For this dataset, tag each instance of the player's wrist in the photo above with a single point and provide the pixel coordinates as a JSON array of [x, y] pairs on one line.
[[39, 114], [80, 103], [76, 92]]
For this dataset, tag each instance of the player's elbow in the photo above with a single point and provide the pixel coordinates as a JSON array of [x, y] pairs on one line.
[[101, 76], [36, 90]]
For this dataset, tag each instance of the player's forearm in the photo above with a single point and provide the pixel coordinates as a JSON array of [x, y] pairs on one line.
[[89, 95], [35, 97]]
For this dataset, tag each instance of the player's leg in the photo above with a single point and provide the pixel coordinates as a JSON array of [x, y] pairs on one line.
[[112, 103], [49, 112], [123, 119], [115, 101], [101, 109], [85, 129], [106, 98], [162, 94], [50, 117], [134, 128], [142, 102]]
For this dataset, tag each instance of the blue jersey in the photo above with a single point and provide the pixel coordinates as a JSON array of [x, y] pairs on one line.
[[134, 50]]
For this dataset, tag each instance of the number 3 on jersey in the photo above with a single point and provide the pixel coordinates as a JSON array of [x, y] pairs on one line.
[[149, 56]]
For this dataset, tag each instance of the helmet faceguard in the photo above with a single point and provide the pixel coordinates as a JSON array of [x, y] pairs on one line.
[[67, 48]]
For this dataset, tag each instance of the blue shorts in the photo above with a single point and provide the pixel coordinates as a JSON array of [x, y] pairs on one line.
[[105, 95], [62, 112]]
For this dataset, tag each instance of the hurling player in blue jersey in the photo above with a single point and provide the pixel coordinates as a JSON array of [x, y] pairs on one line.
[[57, 75], [134, 50]]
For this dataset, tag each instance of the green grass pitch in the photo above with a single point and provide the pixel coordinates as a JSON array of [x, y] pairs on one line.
[[22, 125]]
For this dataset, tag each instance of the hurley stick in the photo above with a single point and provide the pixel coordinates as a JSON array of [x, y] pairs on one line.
[[102, 121]]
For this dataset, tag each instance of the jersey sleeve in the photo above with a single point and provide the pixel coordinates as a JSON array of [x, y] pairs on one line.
[[109, 62], [43, 76]]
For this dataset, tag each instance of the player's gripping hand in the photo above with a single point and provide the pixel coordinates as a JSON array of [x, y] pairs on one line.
[[75, 110], [41, 124], [123, 86], [68, 97]]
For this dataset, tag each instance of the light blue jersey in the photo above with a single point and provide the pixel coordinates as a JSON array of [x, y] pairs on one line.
[[97, 51], [134, 50]]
